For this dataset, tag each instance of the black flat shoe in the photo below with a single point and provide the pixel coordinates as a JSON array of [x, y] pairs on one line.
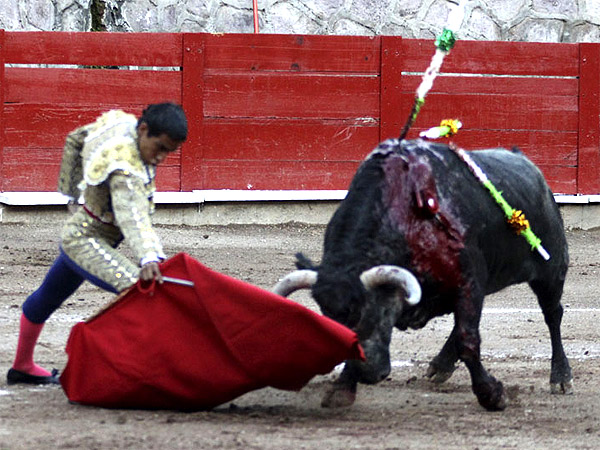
[[16, 376]]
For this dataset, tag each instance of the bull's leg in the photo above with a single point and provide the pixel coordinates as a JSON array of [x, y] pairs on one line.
[[342, 392], [443, 365], [489, 391], [561, 378]]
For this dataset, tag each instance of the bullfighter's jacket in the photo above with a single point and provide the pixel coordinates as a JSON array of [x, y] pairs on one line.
[[101, 162]]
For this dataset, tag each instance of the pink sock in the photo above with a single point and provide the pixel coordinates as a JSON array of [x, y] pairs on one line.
[[28, 336]]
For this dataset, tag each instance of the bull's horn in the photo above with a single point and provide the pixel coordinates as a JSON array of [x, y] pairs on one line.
[[299, 279], [393, 275]]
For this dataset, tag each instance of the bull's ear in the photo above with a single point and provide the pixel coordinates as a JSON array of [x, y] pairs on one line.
[[302, 262]]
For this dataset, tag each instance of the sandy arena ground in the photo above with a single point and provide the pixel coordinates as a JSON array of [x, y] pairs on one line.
[[403, 412]]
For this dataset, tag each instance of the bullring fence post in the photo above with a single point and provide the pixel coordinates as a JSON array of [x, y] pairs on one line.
[[392, 111], [192, 91], [588, 164]]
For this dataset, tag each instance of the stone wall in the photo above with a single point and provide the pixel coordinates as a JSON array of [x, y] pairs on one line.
[[507, 20]]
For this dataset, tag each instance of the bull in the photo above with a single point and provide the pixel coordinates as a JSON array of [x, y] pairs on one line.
[[417, 237]]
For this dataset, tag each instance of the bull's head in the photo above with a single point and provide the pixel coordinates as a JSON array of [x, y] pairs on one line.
[[369, 303]]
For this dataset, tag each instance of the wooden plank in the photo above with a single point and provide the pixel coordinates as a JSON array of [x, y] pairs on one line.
[[91, 86], [275, 175], [500, 112], [288, 140], [41, 125], [37, 169], [168, 176], [193, 104], [291, 95], [393, 112], [295, 53], [244, 167], [561, 179], [588, 175], [104, 49], [44, 179], [545, 147], [37, 133], [298, 112], [488, 84], [495, 57]]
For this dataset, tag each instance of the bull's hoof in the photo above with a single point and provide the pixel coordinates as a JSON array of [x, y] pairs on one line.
[[438, 375], [338, 397], [492, 396], [499, 404], [565, 387]]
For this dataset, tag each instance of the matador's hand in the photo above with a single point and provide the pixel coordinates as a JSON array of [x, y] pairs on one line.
[[150, 271]]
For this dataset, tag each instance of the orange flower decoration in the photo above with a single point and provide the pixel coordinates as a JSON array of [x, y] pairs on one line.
[[518, 221]]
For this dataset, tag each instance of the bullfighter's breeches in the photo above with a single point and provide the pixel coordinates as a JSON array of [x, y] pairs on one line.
[[87, 253]]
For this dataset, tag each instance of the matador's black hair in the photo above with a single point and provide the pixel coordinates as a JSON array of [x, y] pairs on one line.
[[166, 118]]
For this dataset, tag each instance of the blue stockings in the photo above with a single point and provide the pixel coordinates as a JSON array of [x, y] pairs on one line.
[[62, 280]]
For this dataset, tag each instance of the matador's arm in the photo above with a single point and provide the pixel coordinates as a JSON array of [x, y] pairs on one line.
[[131, 208]]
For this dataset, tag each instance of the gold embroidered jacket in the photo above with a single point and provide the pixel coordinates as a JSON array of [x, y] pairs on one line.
[[101, 161]]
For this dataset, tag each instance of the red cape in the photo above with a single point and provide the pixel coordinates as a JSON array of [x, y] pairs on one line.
[[180, 347]]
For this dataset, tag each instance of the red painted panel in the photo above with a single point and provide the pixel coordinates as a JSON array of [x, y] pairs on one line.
[[104, 49], [91, 86], [258, 175], [291, 95], [36, 169], [554, 153], [485, 84], [298, 112], [257, 77], [167, 177], [288, 140], [193, 104], [42, 125], [494, 57], [562, 180], [500, 112], [296, 53], [394, 108], [542, 146], [35, 135], [588, 176]]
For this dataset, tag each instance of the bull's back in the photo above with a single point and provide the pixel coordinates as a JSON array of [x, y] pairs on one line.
[[508, 257], [465, 224]]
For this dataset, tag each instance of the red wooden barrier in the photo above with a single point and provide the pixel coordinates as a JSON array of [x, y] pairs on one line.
[[41, 105], [515, 94], [588, 176], [296, 112], [283, 112]]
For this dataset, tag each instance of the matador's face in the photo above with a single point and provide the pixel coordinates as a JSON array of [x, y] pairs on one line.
[[154, 149]]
